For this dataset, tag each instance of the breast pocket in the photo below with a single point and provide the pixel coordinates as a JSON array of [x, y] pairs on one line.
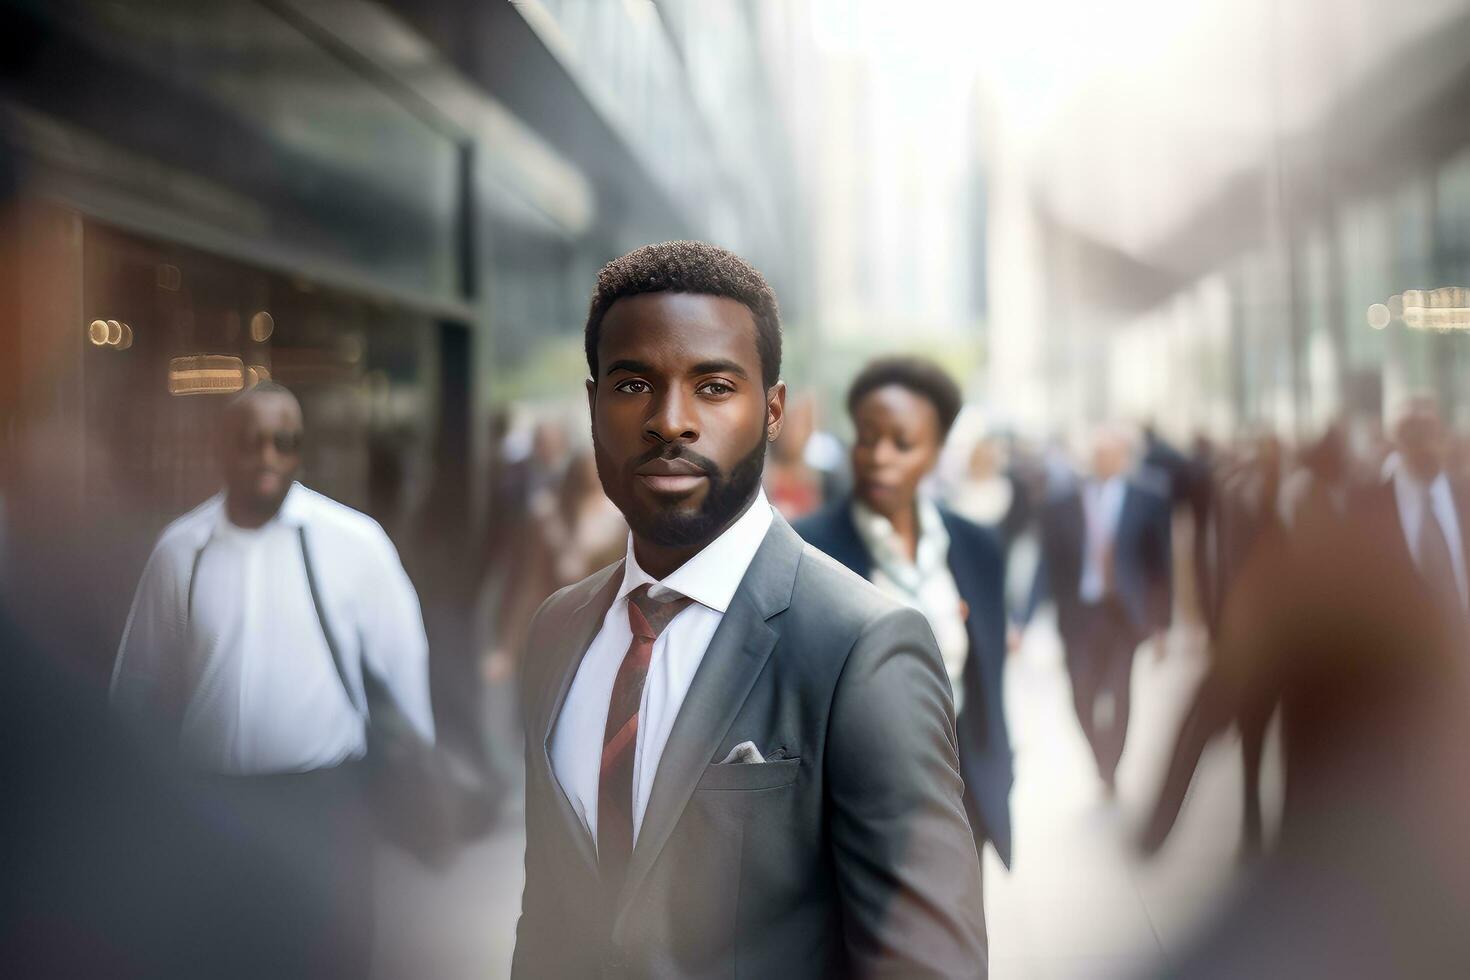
[[750, 775]]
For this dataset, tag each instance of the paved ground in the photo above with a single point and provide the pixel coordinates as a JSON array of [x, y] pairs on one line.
[[1078, 904]]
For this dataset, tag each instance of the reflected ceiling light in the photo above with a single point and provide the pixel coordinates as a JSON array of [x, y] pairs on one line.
[[1378, 316], [170, 278], [205, 374], [97, 332], [126, 340], [262, 325], [1440, 310], [114, 333]]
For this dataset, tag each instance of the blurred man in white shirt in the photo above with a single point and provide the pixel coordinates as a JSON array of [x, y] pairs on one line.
[[256, 618]]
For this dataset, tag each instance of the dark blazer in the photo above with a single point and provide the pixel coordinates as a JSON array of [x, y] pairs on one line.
[[1141, 558], [847, 855], [1374, 510], [979, 574]]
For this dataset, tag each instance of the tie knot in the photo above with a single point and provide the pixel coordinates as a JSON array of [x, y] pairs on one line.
[[648, 614]]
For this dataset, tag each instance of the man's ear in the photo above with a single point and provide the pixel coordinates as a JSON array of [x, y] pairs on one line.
[[775, 410]]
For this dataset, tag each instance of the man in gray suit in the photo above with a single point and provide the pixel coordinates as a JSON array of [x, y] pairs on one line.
[[741, 757]]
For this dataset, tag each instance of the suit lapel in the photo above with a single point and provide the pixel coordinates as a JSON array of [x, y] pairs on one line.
[[737, 653], [583, 624]]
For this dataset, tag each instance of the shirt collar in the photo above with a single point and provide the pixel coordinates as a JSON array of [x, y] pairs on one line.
[[711, 577], [882, 543], [294, 507], [1408, 485]]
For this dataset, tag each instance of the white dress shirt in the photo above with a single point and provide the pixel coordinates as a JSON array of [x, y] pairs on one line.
[[711, 579], [925, 583], [224, 615], [1409, 493], [1102, 506]]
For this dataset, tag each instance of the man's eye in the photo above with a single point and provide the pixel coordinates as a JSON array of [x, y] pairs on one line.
[[634, 386], [715, 388]]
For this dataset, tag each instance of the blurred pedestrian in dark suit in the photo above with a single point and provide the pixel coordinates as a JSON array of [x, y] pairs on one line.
[[1203, 500], [1418, 514], [1164, 468], [1106, 562], [950, 569]]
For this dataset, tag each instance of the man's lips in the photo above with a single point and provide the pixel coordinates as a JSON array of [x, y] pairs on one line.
[[670, 476]]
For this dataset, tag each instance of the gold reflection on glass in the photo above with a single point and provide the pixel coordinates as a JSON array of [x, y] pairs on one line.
[[126, 340], [205, 374], [262, 325], [114, 333], [97, 332], [1378, 316]]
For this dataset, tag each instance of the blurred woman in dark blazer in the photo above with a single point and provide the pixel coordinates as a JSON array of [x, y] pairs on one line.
[[894, 535]]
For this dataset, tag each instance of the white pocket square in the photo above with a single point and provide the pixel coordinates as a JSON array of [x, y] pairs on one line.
[[744, 752]]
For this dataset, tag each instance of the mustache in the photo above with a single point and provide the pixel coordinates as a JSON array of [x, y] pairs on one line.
[[710, 467]]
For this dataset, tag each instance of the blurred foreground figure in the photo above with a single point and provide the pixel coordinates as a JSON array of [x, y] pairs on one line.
[[931, 559], [115, 867], [1418, 514], [262, 618], [1252, 532], [738, 753], [1404, 542], [1106, 562], [1371, 875]]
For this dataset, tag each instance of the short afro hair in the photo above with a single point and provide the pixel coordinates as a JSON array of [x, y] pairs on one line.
[[689, 267], [919, 375]]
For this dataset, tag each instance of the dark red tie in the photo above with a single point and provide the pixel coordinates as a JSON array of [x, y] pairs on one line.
[[647, 617]]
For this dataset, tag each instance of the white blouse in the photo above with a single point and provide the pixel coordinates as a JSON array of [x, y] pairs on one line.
[[925, 583]]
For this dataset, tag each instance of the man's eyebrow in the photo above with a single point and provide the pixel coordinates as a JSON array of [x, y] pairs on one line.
[[720, 366], [632, 367]]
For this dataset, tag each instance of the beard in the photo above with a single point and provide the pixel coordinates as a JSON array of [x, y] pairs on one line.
[[728, 495]]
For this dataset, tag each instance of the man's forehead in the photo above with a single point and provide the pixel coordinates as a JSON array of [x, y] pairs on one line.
[[263, 407], [693, 325]]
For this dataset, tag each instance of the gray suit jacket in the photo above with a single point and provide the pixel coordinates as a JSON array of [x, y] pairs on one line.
[[848, 855]]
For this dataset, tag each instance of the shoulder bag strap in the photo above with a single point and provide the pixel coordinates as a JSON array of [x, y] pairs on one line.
[[321, 618]]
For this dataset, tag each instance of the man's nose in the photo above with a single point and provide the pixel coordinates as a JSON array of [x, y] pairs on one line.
[[267, 454], [673, 419]]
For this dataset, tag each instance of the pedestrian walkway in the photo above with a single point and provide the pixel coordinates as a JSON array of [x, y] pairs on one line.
[[1081, 903]]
